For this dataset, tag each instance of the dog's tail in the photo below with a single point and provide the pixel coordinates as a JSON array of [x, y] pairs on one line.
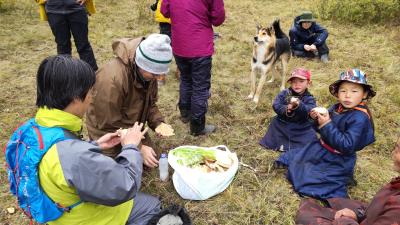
[[278, 31]]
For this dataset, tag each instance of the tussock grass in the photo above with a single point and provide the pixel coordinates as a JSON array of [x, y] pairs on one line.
[[264, 197]]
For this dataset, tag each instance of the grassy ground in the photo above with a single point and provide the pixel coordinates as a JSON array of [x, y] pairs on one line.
[[264, 197]]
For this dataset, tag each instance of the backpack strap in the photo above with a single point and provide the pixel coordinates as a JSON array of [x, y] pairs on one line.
[[69, 208], [39, 135]]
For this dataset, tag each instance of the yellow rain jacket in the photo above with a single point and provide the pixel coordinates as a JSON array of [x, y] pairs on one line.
[[158, 16]]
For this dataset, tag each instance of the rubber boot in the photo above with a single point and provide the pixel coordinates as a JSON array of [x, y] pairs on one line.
[[199, 127], [185, 114]]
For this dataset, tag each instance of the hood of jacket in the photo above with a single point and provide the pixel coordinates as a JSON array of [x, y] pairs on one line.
[[125, 49]]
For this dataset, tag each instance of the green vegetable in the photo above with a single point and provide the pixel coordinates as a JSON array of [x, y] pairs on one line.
[[193, 156]]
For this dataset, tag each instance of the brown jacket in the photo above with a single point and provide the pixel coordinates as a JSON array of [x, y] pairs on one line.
[[120, 98]]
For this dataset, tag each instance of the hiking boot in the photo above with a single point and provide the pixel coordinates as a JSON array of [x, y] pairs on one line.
[[198, 127], [324, 58]]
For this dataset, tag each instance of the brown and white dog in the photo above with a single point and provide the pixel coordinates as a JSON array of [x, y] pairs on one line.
[[271, 45]]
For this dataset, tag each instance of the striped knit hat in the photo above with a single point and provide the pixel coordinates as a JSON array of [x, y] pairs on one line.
[[154, 54]]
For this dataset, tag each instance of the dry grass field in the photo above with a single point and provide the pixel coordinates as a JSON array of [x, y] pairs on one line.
[[262, 197]]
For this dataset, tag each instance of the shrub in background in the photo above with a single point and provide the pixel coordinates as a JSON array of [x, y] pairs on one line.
[[360, 11]]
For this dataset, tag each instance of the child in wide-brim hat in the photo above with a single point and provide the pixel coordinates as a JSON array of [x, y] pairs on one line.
[[354, 76]]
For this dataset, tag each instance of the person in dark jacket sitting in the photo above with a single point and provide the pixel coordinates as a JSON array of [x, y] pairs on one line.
[[308, 39]]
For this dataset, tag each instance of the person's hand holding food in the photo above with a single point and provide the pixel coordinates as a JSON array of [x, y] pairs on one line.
[[164, 130], [321, 115]]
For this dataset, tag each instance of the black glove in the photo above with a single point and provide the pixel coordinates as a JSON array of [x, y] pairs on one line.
[[153, 7]]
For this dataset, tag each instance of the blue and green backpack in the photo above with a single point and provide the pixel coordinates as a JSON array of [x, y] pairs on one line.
[[23, 153]]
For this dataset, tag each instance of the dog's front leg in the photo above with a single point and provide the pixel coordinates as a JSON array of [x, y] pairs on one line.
[[273, 72], [261, 83], [253, 83]]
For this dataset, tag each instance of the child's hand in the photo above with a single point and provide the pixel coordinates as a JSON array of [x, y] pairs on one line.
[[307, 47], [323, 119], [289, 108], [295, 102], [314, 114]]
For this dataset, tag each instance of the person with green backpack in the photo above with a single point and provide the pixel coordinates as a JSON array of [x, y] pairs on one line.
[[60, 179]]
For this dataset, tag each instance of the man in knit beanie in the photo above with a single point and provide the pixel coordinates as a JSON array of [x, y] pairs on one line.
[[154, 54], [126, 92]]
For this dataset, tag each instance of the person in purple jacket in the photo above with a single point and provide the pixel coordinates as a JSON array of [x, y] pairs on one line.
[[192, 24], [291, 128]]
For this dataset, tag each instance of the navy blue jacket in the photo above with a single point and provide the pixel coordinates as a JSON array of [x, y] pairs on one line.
[[292, 130], [316, 172], [300, 114], [316, 35]]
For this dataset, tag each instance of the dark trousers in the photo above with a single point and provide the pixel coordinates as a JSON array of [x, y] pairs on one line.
[[322, 49], [165, 28], [145, 207], [195, 85], [62, 25]]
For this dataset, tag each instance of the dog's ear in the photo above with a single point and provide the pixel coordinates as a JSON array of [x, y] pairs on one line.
[[258, 26], [269, 31]]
